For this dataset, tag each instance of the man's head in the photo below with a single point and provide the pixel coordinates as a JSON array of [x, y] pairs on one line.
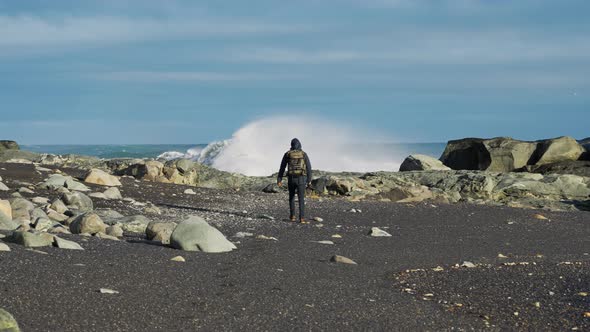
[[295, 144]]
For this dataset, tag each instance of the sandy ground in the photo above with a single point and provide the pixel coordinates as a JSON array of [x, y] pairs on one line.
[[405, 282]]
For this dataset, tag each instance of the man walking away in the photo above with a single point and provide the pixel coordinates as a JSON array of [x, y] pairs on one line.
[[299, 176]]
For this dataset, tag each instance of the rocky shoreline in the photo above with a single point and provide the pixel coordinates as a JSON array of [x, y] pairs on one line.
[[118, 232]]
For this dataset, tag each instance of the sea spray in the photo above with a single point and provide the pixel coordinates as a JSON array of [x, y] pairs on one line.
[[257, 148]]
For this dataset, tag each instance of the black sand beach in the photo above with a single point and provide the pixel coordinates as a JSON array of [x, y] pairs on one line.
[[410, 281]]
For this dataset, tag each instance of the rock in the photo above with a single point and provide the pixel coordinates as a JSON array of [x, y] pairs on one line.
[[38, 213], [21, 208], [468, 264], [133, 224], [40, 200], [408, 194], [555, 150], [178, 259], [54, 182], [540, 217], [342, 260], [152, 209], [42, 224], [264, 237], [25, 190], [58, 229], [194, 234], [504, 154], [272, 188], [112, 193], [3, 187], [78, 201], [5, 248], [7, 322], [328, 242], [577, 167], [88, 223], [72, 184], [318, 219], [97, 195], [109, 215], [185, 165], [59, 206], [100, 177], [337, 236], [5, 209], [420, 162], [66, 244], [8, 145], [160, 231], [242, 235], [115, 231], [108, 291], [265, 216], [377, 232], [56, 216], [190, 192], [30, 240], [106, 237]]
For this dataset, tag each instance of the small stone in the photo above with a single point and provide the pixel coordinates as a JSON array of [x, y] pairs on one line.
[[324, 242], [243, 234], [178, 259], [108, 291], [516, 313], [190, 192], [106, 237], [3, 187], [266, 216], [551, 293], [264, 237], [584, 294], [342, 260], [4, 247], [468, 264], [377, 232], [66, 244], [318, 219], [24, 190], [540, 217], [40, 200], [587, 314], [438, 269], [502, 256], [337, 236]]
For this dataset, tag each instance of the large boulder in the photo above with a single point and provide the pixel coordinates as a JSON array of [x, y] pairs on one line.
[[420, 162], [133, 224], [575, 167], [195, 234], [5, 209], [7, 224], [57, 181], [8, 145], [112, 193], [504, 154], [30, 240], [97, 176], [88, 223], [556, 150], [21, 208], [160, 231], [78, 201]]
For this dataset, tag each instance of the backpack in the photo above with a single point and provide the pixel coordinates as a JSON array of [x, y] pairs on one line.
[[297, 165]]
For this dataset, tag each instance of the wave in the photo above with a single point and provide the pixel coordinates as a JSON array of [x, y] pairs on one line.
[[257, 148]]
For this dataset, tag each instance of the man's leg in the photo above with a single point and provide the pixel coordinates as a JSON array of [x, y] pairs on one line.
[[292, 187], [301, 196]]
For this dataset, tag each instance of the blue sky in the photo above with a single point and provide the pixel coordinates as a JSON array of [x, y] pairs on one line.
[[146, 71]]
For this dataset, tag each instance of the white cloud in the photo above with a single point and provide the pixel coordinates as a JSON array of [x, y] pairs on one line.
[[33, 31], [185, 76]]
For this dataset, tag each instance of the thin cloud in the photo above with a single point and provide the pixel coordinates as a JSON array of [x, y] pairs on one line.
[[185, 76]]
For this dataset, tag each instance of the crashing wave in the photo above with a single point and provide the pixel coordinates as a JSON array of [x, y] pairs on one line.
[[257, 148]]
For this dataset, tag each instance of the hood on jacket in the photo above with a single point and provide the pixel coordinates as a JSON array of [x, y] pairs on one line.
[[295, 144]]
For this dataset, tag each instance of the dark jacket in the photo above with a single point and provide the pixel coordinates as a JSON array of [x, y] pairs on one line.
[[295, 145]]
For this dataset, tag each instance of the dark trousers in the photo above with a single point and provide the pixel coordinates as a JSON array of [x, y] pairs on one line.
[[297, 185]]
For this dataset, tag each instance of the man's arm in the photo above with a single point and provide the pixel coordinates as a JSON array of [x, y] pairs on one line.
[[282, 169], [309, 170]]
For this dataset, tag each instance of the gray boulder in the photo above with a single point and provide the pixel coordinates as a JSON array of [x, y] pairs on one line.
[[133, 224], [88, 223], [78, 201], [576, 167], [30, 240], [113, 193], [59, 206], [557, 149], [75, 185], [6, 224], [115, 231], [194, 234], [420, 162], [66, 244]]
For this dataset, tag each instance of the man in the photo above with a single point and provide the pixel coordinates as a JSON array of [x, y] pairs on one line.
[[299, 175]]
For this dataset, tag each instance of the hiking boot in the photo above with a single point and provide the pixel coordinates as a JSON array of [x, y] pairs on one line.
[[303, 221], [293, 219]]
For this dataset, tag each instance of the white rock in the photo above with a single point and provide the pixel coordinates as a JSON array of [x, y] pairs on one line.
[[377, 232], [190, 192], [4, 247], [97, 195], [178, 259], [66, 244], [25, 190], [113, 193], [108, 291], [3, 187], [243, 234], [97, 176], [318, 219], [324, 242], [468, 264], [40, 200]]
